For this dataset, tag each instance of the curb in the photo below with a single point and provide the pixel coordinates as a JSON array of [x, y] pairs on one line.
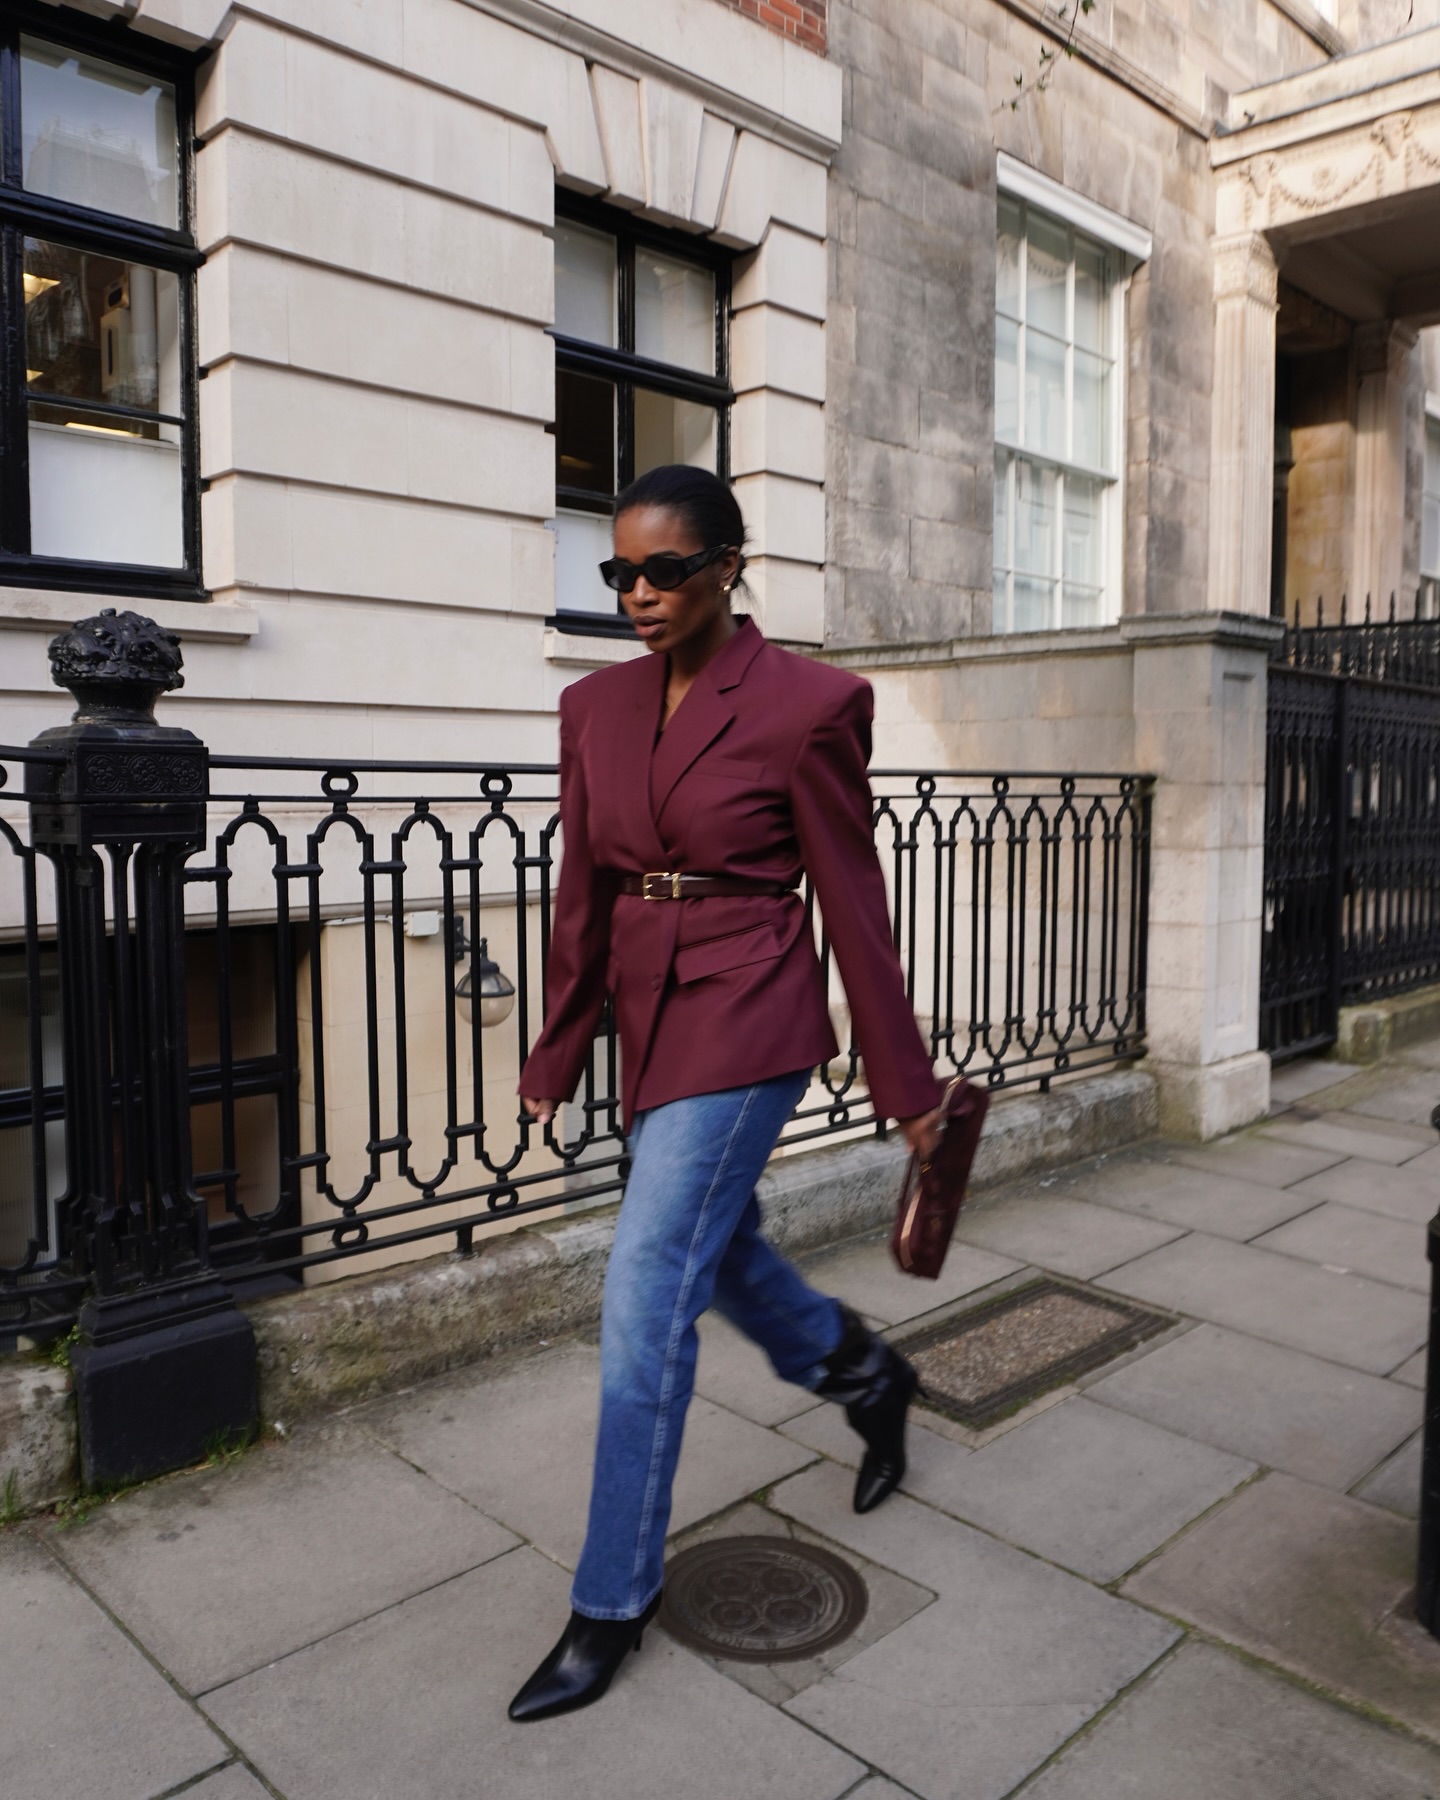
[[324, 1348]]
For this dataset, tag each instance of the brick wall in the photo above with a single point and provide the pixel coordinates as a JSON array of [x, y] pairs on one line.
[[803, 20]]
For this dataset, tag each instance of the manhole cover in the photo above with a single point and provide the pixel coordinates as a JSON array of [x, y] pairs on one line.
[[992, 1359], [761, 1599]]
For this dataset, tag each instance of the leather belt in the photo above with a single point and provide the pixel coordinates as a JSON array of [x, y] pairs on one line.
[[668, 884]]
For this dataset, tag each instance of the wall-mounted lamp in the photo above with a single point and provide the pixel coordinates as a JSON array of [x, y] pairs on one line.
[[483, 977]]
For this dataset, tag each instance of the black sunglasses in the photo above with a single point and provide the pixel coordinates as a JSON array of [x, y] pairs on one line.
[[663, 571]]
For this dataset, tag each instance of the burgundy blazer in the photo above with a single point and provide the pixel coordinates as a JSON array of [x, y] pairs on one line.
[[760, 771]]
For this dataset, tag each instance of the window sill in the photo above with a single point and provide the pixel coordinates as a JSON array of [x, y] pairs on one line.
[[196, 620], [574, 650]]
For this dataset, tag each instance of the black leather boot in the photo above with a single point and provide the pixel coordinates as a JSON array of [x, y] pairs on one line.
[[875, 1385], [581, 1666]]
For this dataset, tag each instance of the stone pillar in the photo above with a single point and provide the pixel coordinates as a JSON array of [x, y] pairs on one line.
[[1199, 711], [1382, 366], [1242, 424]]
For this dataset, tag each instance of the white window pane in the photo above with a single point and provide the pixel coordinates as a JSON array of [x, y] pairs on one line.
[[1430, 505], [1046, 268], [1036, 505], [1092, 411], [1084, 547], [1044, 394], [98, 135], [585, 284], [1002, 511], [674, 312], [1034, 605], [1090, 296], [1081, 606], [1430, 535], [582, 543], [104, 495], [1007, 260], [673, 431], [1007, 381], [1000, 602]]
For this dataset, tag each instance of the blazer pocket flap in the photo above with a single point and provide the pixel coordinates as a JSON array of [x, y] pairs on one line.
[[731, 767], [757, 943]]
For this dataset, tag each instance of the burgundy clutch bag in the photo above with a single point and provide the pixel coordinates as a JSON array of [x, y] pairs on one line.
[[934, 1191]]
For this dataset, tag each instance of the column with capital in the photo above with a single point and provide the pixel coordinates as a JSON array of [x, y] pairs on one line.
[[1242, 429]]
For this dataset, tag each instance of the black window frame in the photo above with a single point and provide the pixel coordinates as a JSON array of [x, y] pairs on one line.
[[629, 370], [84, 228]]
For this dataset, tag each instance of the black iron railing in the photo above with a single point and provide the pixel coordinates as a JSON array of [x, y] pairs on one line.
[[348, 1108], [261, 1019], [1352, 831], [1374, 647]]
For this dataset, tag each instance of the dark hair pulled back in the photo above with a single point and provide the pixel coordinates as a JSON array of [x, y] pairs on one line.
[[703, 501]]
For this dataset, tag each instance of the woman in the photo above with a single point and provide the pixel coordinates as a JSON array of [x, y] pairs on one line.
[[695, 784]]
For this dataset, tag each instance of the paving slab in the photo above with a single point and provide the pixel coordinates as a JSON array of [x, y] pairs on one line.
[[736, 1374], [1070, 1237], [865, 1276], [1373, 1140], [1194, 1199], [1316, 1582], [877, 1788], [1347, 1318], [1083, 1486], [1305, 1076], [1263, 1160], [1396, 1483], [361, 1530], [1367, 1243], [1427, 1164], [1406, 1098], [1425, 1054], [425, 1686], [1411, 1371], [1279, 1407], [890, 1601], [1206, 1726], [1396, 1193], [975, 1692], [234, 1783], [84, 1711], [827, 1431], [518, 1444]]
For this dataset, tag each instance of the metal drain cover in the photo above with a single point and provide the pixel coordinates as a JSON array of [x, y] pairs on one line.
[[761, 1599], [991, 1360]]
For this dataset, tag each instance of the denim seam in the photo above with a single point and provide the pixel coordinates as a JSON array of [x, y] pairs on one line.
[[687, 1282]]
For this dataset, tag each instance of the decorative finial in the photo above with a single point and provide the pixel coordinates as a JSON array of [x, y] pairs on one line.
[[116, 663]]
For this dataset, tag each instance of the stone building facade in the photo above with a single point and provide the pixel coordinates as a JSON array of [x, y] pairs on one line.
[[1005, 325]]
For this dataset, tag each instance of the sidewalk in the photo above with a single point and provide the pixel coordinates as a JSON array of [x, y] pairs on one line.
[[1183, 1577]]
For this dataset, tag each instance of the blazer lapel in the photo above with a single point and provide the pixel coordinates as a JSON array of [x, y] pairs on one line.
[[702, 715], [626, 744]]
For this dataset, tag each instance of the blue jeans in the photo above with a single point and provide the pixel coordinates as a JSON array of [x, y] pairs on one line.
[[688, 1236]]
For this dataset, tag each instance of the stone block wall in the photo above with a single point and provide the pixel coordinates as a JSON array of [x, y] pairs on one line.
[[930, 96], [374, 192]]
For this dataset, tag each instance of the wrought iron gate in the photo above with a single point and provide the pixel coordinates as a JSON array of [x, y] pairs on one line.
[[1352, 828]]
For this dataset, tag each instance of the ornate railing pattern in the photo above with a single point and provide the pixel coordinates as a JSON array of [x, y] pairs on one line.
[[347, 1105], [1352, 849], [1376, 648]]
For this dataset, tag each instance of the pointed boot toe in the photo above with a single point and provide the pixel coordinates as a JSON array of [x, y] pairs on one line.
[[878, 1479], [581, 1667], [875, 1385]]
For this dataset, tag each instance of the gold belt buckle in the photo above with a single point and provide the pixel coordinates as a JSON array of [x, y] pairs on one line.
[[661, 875]]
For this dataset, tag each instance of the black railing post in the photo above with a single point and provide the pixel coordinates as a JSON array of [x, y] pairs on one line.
[[165, 1366], [1427, 1579]]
